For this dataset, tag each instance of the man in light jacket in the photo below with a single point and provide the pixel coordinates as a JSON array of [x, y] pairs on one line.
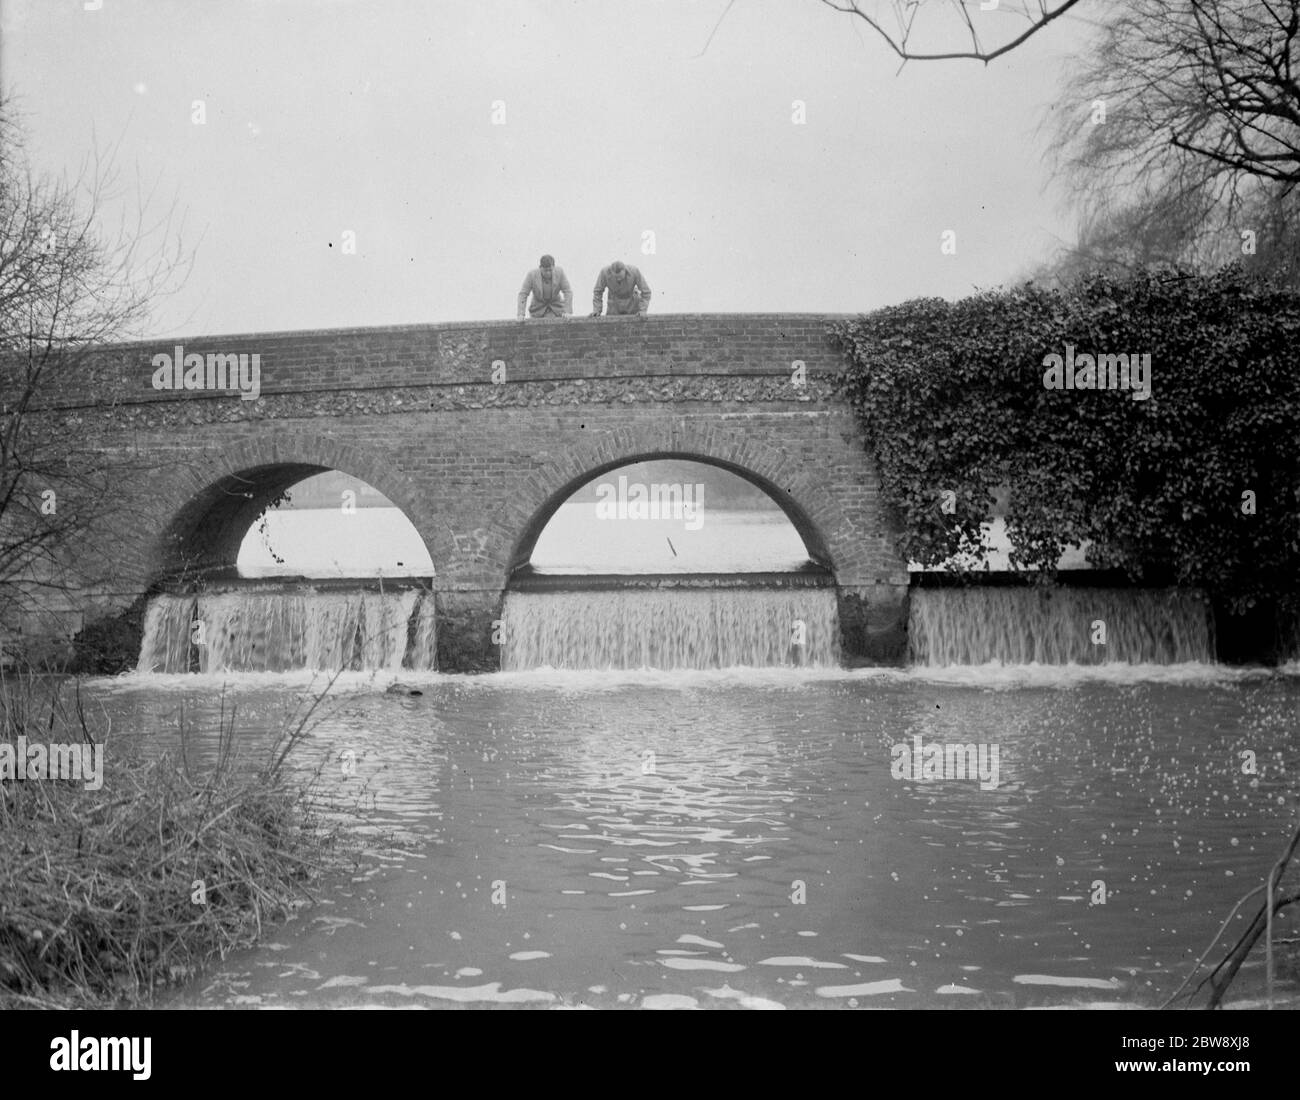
[[549, 286], [628, 290]]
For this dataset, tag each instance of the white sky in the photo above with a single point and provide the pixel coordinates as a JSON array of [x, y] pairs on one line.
[[377, 118]]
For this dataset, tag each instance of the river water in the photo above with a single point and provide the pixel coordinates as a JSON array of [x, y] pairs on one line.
[[738, 838], [746, 837]]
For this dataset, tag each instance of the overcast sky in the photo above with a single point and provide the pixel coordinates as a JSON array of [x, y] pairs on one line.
[[324, 117]]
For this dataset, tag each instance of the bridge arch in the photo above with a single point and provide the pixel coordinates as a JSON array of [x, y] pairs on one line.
[[208, 508], [807, 506]]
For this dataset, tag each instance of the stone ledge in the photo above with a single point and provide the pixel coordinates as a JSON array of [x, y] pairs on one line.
[[652, 320]]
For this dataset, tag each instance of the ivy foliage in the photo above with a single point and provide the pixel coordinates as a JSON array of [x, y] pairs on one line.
[[955, 409]]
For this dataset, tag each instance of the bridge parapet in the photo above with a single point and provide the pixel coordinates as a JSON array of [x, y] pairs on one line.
[[664, 346]]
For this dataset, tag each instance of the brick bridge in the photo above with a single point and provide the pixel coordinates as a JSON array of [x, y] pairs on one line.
[[478, 432]]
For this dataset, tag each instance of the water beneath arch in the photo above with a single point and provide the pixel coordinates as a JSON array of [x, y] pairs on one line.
[[260, 630], [704, 628]]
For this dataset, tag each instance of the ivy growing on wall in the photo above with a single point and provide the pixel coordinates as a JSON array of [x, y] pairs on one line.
[[1196, 484]]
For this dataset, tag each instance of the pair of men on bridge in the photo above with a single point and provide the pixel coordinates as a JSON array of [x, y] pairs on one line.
[[552, 297]]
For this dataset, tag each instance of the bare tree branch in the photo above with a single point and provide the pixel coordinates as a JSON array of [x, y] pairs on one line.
[[67, 286], [1189, 148], [905, 12], [716, 25]]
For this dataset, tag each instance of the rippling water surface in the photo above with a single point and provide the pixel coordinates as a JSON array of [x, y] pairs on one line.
[[738, 838]]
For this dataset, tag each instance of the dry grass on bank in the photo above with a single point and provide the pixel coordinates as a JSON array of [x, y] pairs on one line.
[[100, 902]]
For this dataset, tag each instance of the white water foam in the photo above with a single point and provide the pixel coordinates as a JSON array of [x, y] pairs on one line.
[[1058, 626], [257, 630], [704, 628]]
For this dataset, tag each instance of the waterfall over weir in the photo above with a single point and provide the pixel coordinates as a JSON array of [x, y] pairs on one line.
[[671, 628], [256, 630], [1055, 626]]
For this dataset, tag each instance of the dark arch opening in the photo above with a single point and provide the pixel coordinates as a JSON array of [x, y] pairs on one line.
[[815, 544], [203, 540]]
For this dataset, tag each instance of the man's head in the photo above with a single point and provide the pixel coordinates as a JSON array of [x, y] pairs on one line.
[[546, 263], [618, 267]]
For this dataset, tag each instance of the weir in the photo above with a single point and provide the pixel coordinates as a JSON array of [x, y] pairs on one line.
[[669, 622], [264, 630], [1057, 626], [683, 628]]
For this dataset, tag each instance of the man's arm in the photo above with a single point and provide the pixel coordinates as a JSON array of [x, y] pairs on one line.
[[524, 291], [644, 288], [598, 295], [567, 291]]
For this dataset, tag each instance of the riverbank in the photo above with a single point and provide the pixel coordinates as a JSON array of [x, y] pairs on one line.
[[122, 875]]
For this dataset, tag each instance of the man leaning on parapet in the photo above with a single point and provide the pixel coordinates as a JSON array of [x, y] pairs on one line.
[[628, 290], [549, 287]]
